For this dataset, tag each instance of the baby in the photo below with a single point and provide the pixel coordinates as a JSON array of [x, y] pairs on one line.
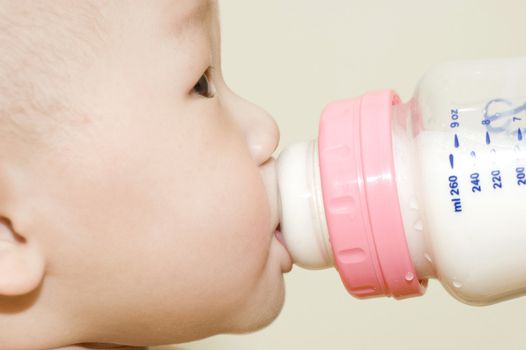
[[138, 198]]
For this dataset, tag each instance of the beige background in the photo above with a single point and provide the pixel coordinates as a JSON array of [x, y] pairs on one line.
[[294, 56]]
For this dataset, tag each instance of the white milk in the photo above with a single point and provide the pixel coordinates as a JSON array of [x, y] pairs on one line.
[[472, 240], [461, 182]]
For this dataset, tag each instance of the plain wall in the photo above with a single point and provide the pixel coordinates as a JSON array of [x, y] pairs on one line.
[[294, 56]]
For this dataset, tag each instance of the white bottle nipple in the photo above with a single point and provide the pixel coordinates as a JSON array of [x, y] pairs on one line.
[[303, 223]]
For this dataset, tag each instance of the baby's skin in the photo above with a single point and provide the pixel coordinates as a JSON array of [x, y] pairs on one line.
[[138, 192]]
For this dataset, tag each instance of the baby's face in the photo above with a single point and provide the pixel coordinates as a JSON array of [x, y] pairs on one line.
[[156, 212]]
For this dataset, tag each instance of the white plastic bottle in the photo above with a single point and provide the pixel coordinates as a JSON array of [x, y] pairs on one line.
[[393, 193]]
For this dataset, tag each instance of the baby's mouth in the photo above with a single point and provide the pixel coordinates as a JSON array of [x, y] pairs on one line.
[[279, 235], [105, 346], [287, 261]]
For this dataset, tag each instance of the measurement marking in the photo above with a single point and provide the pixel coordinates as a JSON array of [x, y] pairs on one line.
[[456, 141], [457, 205], [451, 161], [488, 140], [519, 134], [473, 154]]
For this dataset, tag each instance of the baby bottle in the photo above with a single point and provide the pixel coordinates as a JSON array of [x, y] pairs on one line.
[[392, 194]]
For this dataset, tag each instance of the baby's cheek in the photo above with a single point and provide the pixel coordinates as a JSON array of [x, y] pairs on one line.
[[237, 214], [229, 220]]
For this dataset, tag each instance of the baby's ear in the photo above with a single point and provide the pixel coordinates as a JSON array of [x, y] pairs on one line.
[[21, 264]]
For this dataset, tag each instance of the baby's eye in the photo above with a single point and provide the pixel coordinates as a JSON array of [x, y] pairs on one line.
[[203, 86]]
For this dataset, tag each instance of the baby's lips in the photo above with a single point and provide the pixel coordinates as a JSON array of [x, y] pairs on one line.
[[279, 236]]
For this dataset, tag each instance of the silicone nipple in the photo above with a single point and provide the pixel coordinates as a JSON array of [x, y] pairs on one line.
[[303, 224]]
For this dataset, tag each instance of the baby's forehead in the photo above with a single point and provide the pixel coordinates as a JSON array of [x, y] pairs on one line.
[[37, 40], [186, 13], [38, 37]]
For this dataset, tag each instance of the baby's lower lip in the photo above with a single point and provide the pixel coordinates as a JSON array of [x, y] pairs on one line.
[[287, 266], [279, 236]]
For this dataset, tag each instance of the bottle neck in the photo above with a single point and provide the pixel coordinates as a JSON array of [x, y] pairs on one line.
[[345, 211], [361, 200]]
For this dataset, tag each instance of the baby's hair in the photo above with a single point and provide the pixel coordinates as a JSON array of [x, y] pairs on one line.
[[40, 41]]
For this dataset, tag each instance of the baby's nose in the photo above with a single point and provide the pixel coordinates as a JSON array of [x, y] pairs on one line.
[[260, 129], [262, 136]]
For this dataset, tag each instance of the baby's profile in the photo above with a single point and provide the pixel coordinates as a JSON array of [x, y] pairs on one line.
[[138, 198]]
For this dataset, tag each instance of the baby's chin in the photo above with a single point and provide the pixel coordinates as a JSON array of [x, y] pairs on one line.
[[260, 318], [268, 299]]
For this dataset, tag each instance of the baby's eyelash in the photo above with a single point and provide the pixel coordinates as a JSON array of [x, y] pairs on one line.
[[204, 86]]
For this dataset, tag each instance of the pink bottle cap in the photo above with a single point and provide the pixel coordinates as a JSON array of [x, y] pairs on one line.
[[361, 198]]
